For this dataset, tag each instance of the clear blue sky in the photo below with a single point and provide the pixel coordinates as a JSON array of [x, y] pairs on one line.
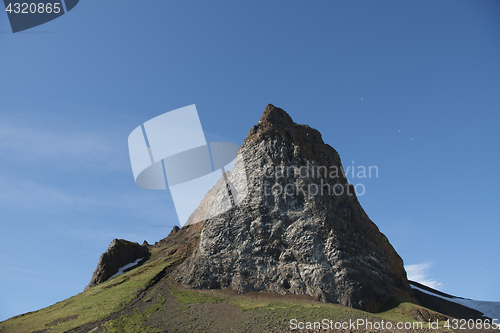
[[409, 86]]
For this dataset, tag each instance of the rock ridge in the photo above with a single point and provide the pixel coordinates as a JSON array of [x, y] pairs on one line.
[[119, 253]]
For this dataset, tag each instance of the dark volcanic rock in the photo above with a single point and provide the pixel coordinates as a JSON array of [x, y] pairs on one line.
[[446, 307], [300, 229], [119, 253]]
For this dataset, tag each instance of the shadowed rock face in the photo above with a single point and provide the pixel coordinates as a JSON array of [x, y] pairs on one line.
[[119, 253], [294, 233]]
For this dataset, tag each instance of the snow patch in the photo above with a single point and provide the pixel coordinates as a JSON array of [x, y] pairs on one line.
[[127, 266], [488, 309]]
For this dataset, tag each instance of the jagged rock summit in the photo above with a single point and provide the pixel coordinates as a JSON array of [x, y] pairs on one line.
[[300, 229], [119, 253]]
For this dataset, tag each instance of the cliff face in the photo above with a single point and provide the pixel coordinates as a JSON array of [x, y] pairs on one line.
[[300, 229]]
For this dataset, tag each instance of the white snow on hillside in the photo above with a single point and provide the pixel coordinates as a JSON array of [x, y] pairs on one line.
[[127, 266], [488, 309]]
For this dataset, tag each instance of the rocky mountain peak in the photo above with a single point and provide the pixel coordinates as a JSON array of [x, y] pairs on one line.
[[275, 123], [300, 229], [277, 116]]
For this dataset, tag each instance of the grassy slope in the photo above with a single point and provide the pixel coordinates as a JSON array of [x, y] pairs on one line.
[[145, 299], [96, 303], [116, 294], [283, 311]]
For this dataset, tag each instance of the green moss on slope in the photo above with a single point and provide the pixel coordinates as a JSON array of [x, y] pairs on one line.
[[91, 305]]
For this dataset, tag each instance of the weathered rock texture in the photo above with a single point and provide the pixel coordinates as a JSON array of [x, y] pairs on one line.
[[298, 234], [119, 253]]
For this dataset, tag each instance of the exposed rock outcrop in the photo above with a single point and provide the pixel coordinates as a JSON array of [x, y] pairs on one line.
[[119, 253], [181, 242], [300, 229]]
